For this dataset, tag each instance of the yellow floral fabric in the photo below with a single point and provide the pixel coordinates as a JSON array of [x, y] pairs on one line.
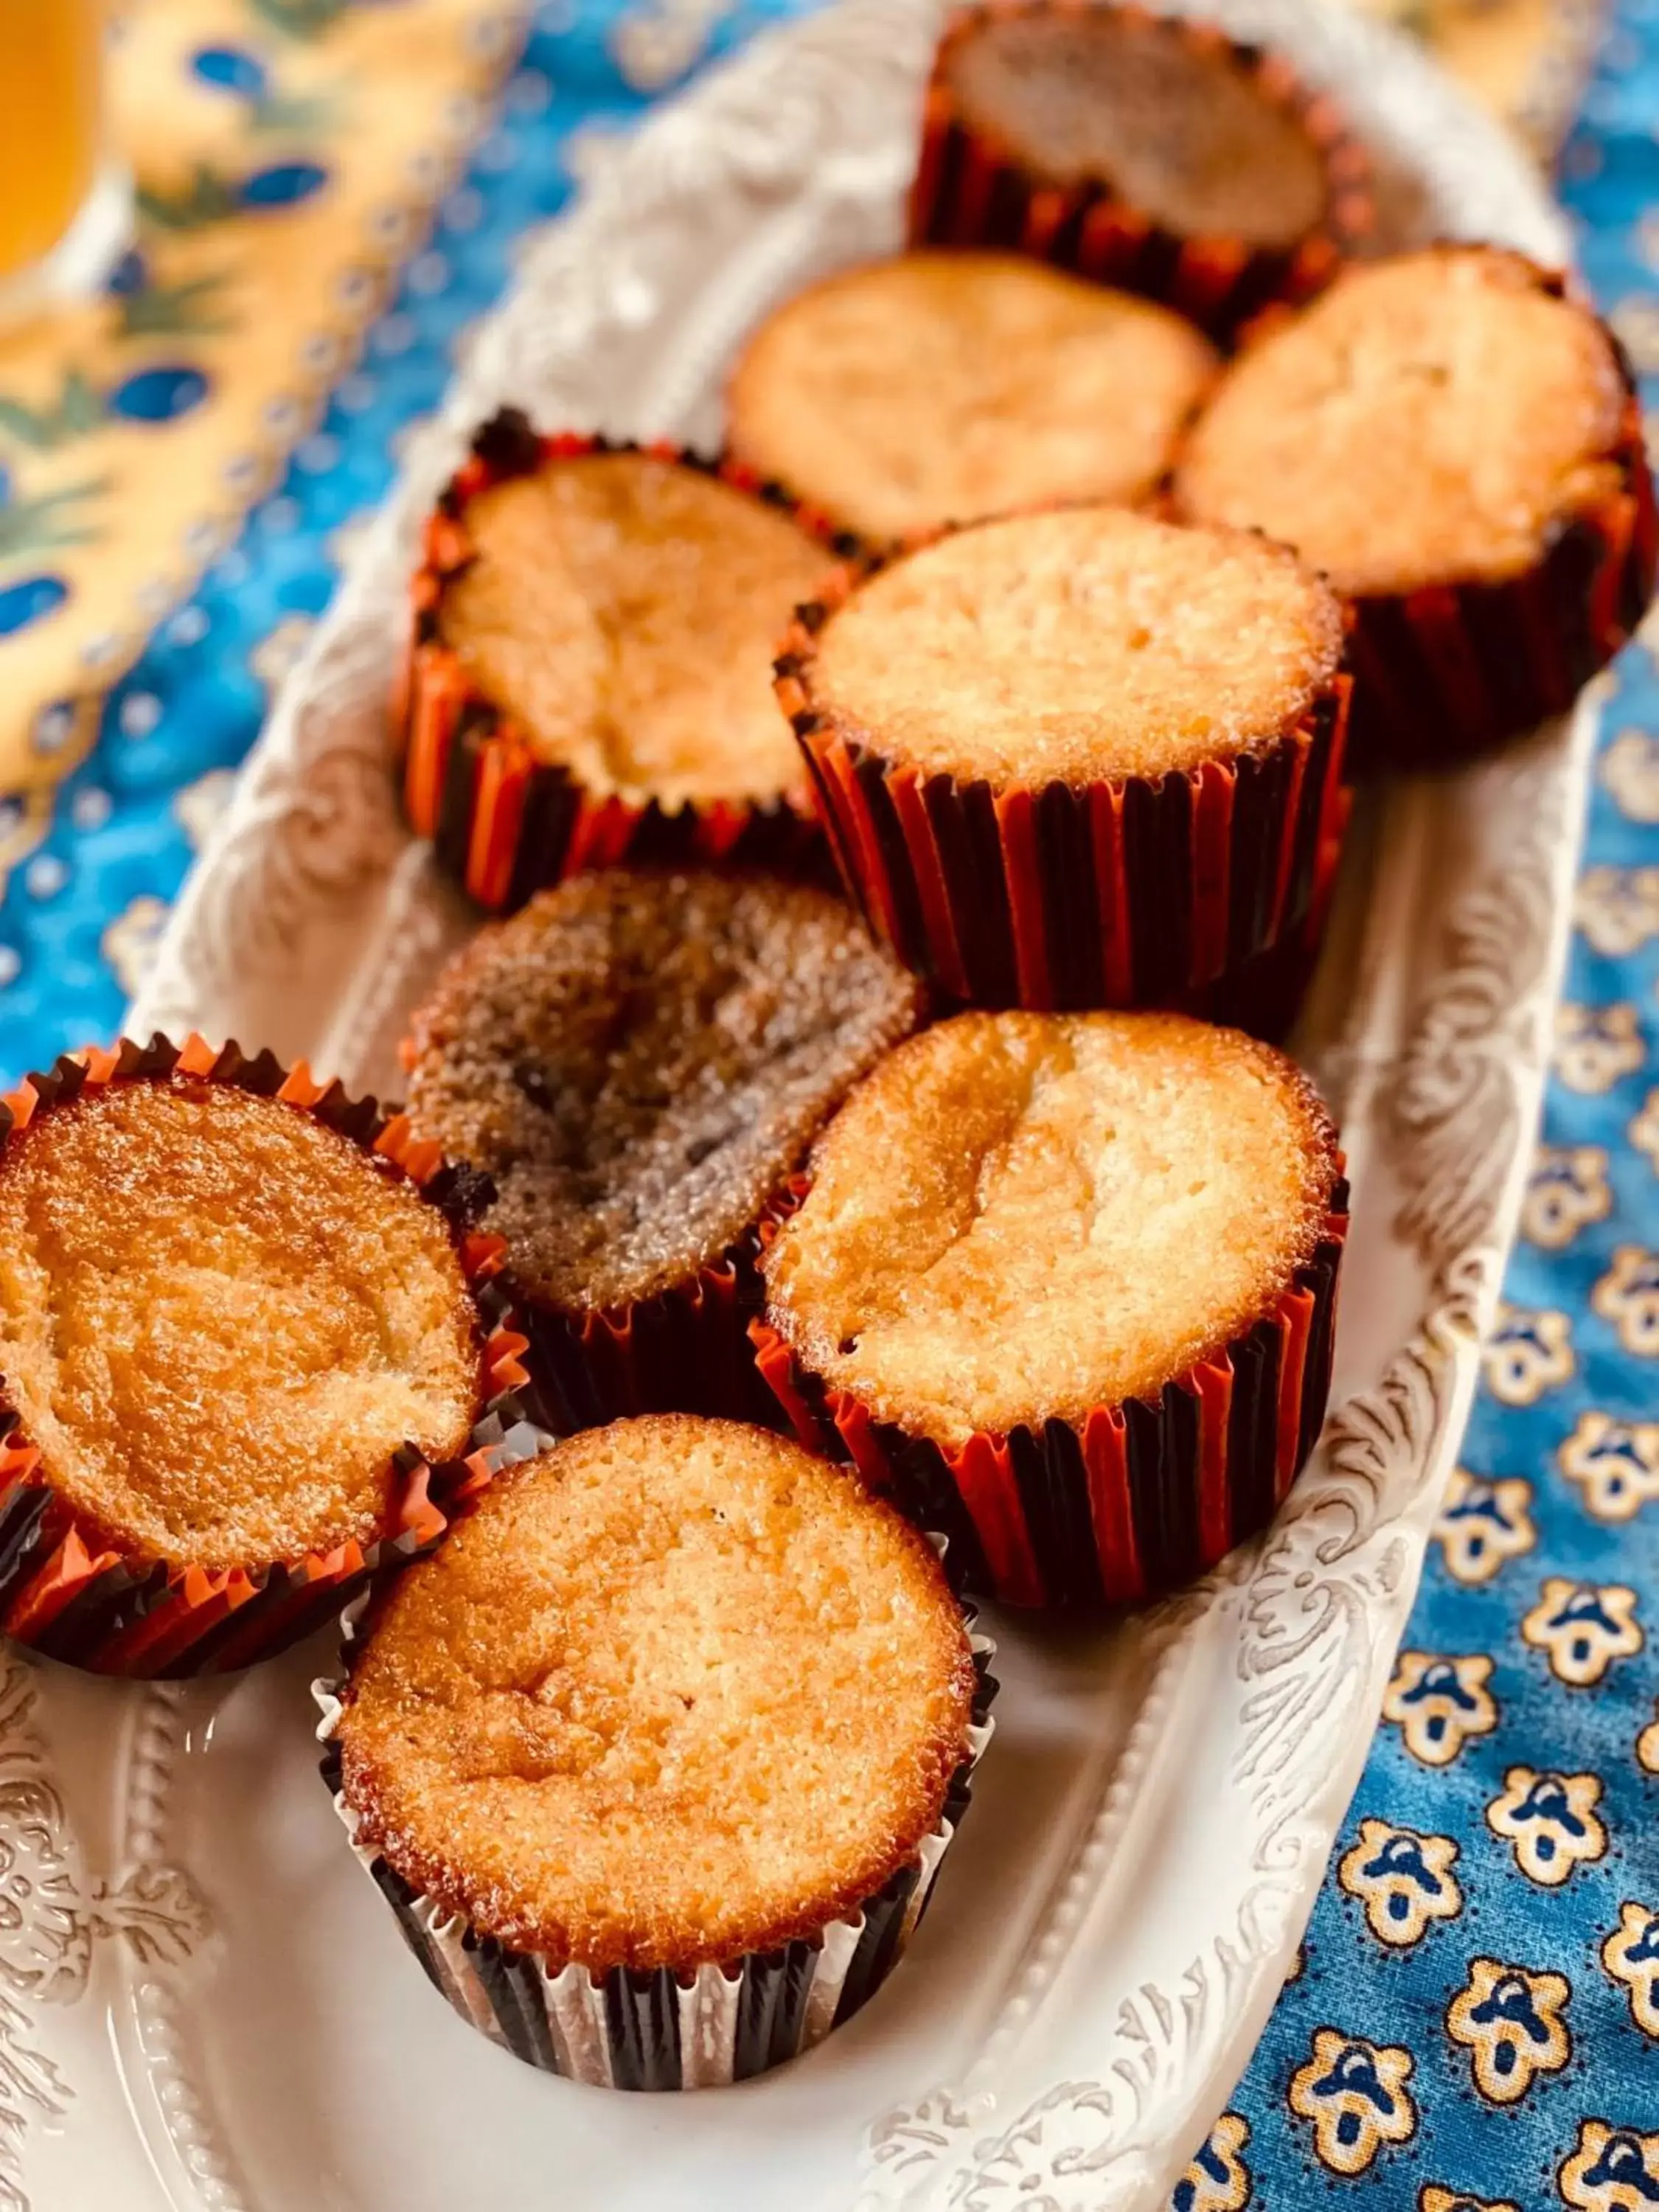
[[286, 154]]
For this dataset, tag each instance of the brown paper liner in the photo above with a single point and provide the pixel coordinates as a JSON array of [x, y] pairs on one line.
[[687, 1350], [1132, 891], [67, 1587], [1129, 1501], [972, 190], [1450, 671], [504, 824]]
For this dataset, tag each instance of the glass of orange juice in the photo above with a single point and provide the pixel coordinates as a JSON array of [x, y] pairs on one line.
[[64, 204]]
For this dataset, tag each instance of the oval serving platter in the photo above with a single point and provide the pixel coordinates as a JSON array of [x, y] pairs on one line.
[[204, 2006]]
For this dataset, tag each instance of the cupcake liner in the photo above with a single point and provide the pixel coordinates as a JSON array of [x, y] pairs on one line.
[[686, 1350], [1132, 891], [1265, 996], [68, 1591], [1450, 671], [635, 2029], [503, 824], [971, 190], [1126, 1502]]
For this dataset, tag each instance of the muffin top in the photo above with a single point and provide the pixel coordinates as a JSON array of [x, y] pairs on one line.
[[674, 1692], [623, 611], [939, 387], [1020, 1217], [1180, 129], [219, 1319], [1084, 643], [639, 1059], [1430, 419]]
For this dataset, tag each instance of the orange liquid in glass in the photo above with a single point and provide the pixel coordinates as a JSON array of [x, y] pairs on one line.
[[51, 54]]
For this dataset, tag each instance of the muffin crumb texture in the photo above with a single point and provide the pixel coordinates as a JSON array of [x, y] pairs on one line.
[[219, 1319], [639, 1059], [1432, 419], [939, 387], [622, 610], [1022, 1216], [1076, 645], [675, 1692]]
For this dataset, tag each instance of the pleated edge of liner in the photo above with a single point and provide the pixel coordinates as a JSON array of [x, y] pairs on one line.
[[816, 732], [428, 1492], [773, 1347], [714, 1278], [708, 2002], [435, 705], [1346, 219]]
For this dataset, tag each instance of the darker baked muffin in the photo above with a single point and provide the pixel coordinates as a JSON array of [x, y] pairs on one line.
[[1066, 1286], [657, 1758], [587, 676], [940, 388], [639, 1062], [1458, 446], [1141, 150], [238, 1333], [1075, 758]]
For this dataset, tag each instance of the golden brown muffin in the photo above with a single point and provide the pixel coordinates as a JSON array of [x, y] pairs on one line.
[[639, 1059], [940, 387], [1175, 128], [1436, 418], [675, 1692], [1077, 645], [1019, 1218], [620, 610], [220, 1319]]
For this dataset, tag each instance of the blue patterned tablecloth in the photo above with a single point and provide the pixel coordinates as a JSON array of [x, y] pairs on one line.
[[1475, 2023]]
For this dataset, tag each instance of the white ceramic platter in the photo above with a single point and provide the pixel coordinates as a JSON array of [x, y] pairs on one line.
[[204, 2006]]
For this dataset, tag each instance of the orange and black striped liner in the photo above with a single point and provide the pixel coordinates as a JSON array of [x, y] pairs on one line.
[[1132, 891], [504, 824], [1451, 670], [1126, 1503], [972, 190], [66, 1590]]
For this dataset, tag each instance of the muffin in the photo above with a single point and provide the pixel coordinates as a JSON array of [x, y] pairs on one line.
[[587, 675], [241, 1355], [1077, 758], [1140, 150], [1065, 1286], [940, 388], [656, 1759], [1458, 446], [638, 1061]]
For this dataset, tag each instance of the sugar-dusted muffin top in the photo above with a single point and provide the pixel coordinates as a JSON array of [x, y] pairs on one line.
[[1430, 419], [219, 1319], [638, 1059], [676, 1691], [1019, 1216], [622, 612], [1181, 131], [939, 387], [1082, 643]]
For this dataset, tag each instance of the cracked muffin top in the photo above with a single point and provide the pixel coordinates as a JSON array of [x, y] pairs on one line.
[[640, 1059], [674, 1692], [1431, 419], [622, 611], [1178, 128], [939, 387], [1021, 1217], [219, 1320], [1081, 644]]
